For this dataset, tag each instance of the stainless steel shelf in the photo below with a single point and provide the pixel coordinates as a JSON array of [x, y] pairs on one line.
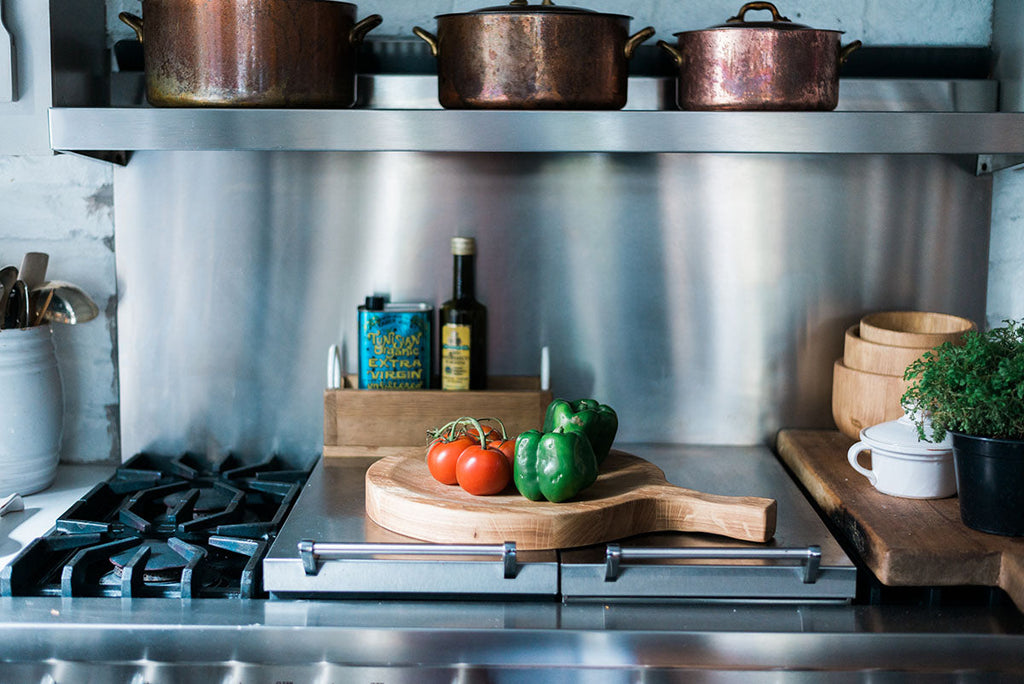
[[424, 130]]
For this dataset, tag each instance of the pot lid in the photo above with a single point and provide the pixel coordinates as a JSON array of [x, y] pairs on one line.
[[900, 436], [777, 23], [524, 7]]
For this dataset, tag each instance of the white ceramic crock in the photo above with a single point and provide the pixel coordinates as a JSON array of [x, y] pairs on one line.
[[32, 415], [902, 464]]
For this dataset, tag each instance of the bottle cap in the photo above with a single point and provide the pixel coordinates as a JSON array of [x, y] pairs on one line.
[[462, 246], [374, 303]]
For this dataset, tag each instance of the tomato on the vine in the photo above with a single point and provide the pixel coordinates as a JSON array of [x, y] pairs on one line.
[[442, 458], [489, 433], [508, 447], [483, 470]]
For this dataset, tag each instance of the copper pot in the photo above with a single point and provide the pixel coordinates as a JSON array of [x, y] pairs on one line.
[[250, 53], [522, 56], [759, 64]]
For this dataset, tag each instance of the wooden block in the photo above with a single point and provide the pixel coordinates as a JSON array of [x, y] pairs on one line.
[[905, 542], [380, 422]]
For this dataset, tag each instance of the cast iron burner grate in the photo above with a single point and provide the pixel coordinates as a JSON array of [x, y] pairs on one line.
[[168, 527]]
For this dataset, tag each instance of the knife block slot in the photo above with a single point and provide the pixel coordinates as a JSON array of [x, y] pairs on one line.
[[359, 422]]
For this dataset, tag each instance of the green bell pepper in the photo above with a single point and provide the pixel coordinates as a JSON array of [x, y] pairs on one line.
[[555, 465], [597, 421]]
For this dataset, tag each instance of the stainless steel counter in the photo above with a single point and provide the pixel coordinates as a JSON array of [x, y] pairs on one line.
[[248, 642]]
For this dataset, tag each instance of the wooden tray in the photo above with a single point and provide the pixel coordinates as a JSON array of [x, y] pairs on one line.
[[631, 496], [905, 542], [383, 422]]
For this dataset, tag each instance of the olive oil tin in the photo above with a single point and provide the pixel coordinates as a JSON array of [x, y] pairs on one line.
[[394, 345]]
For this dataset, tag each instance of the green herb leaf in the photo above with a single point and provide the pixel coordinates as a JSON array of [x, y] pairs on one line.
[[975, 388]]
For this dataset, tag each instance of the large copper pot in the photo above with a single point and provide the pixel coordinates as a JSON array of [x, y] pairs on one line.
[[522, 56], [250, 53], [759, 64]]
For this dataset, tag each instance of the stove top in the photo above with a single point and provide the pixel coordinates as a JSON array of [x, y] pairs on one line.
[[329, 548], [183, 526]]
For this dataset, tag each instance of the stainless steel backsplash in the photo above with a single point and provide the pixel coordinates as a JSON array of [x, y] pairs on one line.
[[703, 296]]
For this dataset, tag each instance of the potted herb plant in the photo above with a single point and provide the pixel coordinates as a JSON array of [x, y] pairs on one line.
[[975, 391]]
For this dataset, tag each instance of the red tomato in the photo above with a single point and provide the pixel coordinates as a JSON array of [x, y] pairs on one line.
[[483, 471], [442, 458], [508, 447], [489, 433]]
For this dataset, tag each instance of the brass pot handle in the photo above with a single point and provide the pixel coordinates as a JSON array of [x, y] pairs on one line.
[[844, 53], [427, 36], [636, 39], [359, 31], [672, 50], [134, 21], [738, 19]]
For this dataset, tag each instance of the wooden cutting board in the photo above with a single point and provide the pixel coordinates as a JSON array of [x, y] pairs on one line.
[[631, 496], [905, 542]]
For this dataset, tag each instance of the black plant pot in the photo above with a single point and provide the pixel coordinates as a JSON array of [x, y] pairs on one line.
[[990, 483]]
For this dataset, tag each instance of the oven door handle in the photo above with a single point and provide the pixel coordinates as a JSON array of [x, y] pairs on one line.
[[615, 555], [312, 552]]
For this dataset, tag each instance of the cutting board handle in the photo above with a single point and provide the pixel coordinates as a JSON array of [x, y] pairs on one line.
[[747, 518]]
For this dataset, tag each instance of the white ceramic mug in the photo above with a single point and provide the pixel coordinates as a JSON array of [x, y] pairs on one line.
[[32, 415], [912, 476]]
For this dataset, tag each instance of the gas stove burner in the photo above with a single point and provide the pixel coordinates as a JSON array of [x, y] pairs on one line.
[[147, 510], [163, 563], [163, 527], [207, 500]]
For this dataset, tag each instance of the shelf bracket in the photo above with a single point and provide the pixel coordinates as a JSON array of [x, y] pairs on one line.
[[990, 163], [119, 157]]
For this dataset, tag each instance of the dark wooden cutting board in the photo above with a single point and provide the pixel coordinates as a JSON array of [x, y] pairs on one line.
[[631, 496], [905, 542]]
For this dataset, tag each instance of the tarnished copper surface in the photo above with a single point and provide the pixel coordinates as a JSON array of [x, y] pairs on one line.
[[522, 60], [262, 53], [772, 65], [763, 69]]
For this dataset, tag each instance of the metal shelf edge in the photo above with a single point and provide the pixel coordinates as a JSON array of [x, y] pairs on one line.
[[146, 128]]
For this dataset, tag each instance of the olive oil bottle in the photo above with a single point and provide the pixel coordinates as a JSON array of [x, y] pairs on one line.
[[463, 325]]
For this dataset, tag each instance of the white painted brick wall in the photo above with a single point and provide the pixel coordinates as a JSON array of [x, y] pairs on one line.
[[875, 22], [63, 206]]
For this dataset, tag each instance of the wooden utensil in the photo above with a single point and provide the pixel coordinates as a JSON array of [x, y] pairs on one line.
[[33, 269], [631, 496]]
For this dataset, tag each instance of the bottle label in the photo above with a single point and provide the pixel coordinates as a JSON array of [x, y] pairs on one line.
[[455, 357]]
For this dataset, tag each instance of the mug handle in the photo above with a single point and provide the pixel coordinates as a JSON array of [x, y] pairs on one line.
[[852, 455]]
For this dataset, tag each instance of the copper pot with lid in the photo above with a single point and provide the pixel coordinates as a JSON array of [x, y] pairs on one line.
[[250, 53], [523, 56], [766, 65]]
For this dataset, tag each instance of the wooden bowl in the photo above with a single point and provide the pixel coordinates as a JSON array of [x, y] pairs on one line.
[[884, 359], [861, 399], [921, 329]]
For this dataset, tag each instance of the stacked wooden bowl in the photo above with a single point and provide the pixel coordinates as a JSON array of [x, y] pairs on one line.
[[867, 383]]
